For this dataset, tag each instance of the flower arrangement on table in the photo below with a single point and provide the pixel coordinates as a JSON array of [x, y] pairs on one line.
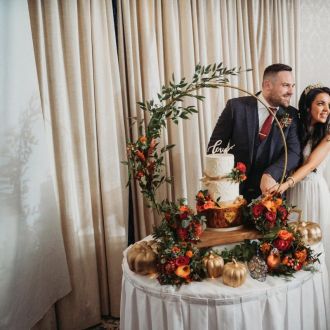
[[282, 250], [179, 261], [268, 212]]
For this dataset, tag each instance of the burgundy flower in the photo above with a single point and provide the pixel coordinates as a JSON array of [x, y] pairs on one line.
[[281, 244], [182, 233], [182, 261], [170, 267], [257, 210], [271, 217], [184, 215], [283, 213]]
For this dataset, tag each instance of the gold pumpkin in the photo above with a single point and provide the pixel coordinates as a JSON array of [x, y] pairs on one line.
[[214, 265], [310, 231], [141, 258], [234, 273]]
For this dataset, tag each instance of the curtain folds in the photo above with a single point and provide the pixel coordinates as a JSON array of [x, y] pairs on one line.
[[77, 65], [158, 38]]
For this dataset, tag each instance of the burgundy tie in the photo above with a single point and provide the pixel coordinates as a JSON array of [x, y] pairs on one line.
[[267, 125]]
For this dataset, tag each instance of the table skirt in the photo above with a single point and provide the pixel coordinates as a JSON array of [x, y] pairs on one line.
[[300, 303]]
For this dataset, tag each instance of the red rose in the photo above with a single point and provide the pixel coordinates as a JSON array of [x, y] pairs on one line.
[[271, 217], [281, 244], [241, 167], [182, 261], [257, 210], [283, 213], [182, 233]]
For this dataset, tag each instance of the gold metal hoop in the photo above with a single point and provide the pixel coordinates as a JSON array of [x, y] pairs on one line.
[[279, 126]]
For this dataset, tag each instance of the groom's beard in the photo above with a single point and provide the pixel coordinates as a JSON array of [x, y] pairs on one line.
[[283, 100]]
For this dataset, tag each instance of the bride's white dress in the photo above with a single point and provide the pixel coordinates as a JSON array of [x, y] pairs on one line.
[[312, 196]]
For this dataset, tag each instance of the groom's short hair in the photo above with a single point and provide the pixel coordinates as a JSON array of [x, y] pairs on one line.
[[273, 69]]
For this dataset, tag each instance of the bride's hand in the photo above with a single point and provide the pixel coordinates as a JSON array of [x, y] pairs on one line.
[[277, 188]]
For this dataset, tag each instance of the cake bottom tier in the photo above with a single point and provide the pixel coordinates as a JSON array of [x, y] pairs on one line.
[[228, 216]]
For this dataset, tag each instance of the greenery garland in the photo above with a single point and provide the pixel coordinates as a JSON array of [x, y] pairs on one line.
[[145, 160]]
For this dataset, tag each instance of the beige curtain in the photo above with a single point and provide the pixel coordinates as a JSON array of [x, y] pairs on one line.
[[77, 65], [157, 38]]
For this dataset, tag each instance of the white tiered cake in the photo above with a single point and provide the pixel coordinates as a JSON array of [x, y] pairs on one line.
[[223, 190], [217, 168]]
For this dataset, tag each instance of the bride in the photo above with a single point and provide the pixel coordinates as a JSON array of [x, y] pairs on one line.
[[309, 190]]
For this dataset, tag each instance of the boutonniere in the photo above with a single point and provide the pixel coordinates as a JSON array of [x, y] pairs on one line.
[[285, 120]]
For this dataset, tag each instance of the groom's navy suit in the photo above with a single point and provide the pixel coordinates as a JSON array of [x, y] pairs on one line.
[[238, 125]]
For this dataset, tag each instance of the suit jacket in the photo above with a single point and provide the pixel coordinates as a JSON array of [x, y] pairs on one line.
[[238, 125]]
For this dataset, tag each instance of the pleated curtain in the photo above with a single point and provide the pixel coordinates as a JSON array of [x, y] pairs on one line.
[[77, 64]]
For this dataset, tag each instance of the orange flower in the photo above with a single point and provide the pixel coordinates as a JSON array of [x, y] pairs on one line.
[[271, 204], [200, 208], [140, 155], [209, 205], [285, 235], [189, 254], [265, 248], [143, 139], [183, 271], [200, 195], [301, 255], [175, 249], [139, 175], [152, 146], [183, 208]]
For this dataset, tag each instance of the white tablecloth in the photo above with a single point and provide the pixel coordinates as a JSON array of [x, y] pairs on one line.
[[301, 303]]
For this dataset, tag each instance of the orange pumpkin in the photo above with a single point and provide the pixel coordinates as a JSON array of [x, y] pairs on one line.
[[274, 259]]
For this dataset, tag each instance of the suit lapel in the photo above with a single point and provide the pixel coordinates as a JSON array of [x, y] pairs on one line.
[[251, 113], [276, 138]]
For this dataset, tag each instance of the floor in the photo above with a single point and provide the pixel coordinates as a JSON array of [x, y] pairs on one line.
[[107, 324]]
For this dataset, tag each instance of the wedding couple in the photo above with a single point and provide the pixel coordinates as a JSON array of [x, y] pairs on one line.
[[246, 124]]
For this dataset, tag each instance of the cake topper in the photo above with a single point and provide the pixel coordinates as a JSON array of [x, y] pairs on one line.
[[216, 149]]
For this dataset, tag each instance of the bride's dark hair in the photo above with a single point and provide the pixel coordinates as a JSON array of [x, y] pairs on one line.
[[306, 99]]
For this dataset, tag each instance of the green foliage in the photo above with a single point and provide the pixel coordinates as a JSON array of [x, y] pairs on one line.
[[241, 252]]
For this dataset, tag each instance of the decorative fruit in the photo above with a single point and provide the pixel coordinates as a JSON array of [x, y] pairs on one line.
[[234, 273], [214, 265], [310, 231], [274, 259], [141, 258], [258, 268]]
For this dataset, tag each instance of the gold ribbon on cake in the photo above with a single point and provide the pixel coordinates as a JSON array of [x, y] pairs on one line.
[[206, 179]]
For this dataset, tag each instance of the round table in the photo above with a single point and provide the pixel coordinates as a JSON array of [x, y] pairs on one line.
[[299, 303]]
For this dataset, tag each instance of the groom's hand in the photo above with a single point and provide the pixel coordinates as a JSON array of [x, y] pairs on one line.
[[266, 183]]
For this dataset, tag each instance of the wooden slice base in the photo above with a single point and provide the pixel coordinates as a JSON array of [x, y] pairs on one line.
[[213, 238]]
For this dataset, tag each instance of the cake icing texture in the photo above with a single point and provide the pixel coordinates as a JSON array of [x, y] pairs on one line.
[[217, 167]]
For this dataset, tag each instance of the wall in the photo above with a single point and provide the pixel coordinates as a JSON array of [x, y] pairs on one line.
[[314, 43]]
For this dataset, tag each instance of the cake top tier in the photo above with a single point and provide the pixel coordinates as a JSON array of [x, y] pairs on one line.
[[218, 164]]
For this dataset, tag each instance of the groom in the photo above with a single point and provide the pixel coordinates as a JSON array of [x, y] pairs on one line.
[[246, 125]]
